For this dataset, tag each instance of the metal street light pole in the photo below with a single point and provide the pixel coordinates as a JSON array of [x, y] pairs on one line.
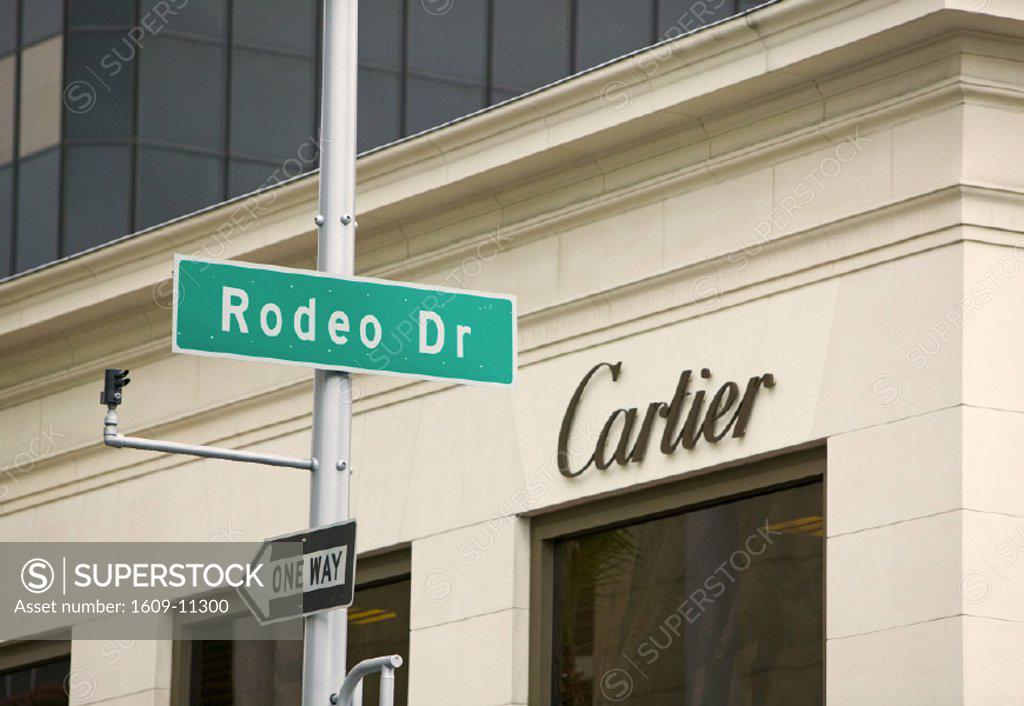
[[326, 633]]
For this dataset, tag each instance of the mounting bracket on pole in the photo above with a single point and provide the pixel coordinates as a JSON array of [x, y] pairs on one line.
[[385, 665], [116, 379]]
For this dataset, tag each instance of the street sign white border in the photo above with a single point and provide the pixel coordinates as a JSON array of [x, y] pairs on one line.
[[292, 536], [355, 559], [175, 348]]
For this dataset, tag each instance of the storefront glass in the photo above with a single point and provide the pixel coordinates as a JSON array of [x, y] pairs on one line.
[[718, 605], [266, 673], [37, 685]]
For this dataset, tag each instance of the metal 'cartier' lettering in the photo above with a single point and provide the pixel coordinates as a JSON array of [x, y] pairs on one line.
[[727, 411]]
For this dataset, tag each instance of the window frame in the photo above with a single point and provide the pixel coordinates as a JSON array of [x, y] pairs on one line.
[[709, 487], [28, 653], [385, 566], [25, 654]]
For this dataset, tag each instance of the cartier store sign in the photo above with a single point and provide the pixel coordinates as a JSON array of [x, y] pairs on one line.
[[706, 414]]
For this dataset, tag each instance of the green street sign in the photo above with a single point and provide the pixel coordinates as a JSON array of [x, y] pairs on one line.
[[301, 317]]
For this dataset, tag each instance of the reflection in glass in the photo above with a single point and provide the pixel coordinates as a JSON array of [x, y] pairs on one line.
[[38, 190], [253, 673], [40, 100], [265, 673], [7, 104], [719, 606], [36, 685], [378, 624]]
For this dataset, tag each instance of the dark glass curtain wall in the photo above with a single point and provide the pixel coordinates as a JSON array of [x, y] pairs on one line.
[[116, 115]]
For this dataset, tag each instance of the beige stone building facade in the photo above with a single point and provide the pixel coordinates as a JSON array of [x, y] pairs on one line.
[[826, 192]]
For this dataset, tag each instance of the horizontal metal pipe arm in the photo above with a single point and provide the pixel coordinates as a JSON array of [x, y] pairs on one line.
[[111, 437], [363, 669]]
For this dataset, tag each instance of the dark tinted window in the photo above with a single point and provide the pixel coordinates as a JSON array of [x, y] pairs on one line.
[[253, 673], [270, 89], [447, 61], [380, 34], [41, 19], [676, 17], [279, 24], [38, 194], [604, 31], [97, 195], [173, 183], [8, 26], [38, 685], [531, 45], [101, 13], [245, 176], [380, 115], [99, 87], [229, 87], [6, 223], [206, 19], [269, 673], [378, 624], [176, 73], [380, 73], [721, 605], [8, 108]]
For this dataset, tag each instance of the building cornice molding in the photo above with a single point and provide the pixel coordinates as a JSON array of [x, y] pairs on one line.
[[654, 302], [948, 92], [758, 54], [60, 310]]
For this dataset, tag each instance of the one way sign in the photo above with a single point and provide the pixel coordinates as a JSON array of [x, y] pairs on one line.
[[304, 573]]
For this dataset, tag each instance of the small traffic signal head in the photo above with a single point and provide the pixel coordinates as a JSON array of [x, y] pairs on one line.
[[113, 380]]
